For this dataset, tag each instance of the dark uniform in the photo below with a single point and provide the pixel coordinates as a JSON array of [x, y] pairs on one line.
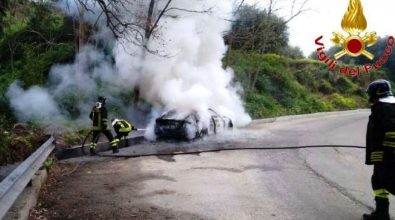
[[99, 118], [380, 148], [122, 129]]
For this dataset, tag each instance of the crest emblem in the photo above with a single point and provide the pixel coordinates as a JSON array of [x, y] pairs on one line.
[[356, 41]]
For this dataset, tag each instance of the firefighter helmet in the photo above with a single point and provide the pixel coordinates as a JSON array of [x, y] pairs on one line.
[[379, 88], [101, 99]]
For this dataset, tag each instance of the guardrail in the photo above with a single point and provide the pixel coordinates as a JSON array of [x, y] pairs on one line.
[[14, 184], [76, 151]]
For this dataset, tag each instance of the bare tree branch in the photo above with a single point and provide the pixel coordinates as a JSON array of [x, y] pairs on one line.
[[300, 11], [84, 5], [209, 10], [238, 7], [134, 26], [158, 19]]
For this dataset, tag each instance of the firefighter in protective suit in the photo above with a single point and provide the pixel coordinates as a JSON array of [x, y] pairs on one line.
[[380, 146], [99, 118], [122, 129]]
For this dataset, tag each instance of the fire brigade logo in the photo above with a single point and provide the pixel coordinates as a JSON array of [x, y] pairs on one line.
[[356, 42]]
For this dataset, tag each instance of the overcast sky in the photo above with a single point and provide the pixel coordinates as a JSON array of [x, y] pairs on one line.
[[325, 16]]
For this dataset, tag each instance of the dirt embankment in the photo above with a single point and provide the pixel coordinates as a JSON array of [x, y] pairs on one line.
[[18, 143]]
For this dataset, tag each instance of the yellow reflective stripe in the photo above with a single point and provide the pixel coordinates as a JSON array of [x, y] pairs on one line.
[[382, 193], [124, 128], [376, 158], [389, 144], [390, 134], [377, 153], [115, 140], [92, 145]]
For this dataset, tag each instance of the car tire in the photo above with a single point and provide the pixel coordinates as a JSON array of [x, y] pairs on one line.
[[204, 132], [230, 125]]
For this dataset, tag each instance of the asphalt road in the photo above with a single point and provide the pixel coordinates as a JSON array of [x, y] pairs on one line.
[[314, 183]]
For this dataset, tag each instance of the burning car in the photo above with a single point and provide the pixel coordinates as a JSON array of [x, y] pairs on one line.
[[190, 125]]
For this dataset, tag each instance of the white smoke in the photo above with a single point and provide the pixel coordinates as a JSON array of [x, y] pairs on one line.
[[190, 77], [33, 103]]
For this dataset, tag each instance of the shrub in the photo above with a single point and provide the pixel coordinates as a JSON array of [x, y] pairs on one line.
[[19, 142], [325, 87], [344, 85], [342, 103]]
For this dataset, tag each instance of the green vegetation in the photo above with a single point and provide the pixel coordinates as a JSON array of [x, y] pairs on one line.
[[19, 142], [33, 36], [75, 137], [275, 85], [49, 163]]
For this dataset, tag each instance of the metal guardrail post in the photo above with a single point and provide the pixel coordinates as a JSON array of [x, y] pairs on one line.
[[14, 184]]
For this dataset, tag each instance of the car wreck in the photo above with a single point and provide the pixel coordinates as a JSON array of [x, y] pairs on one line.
[[190, 125]]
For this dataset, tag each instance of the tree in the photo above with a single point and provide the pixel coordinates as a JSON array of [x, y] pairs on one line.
[[3, 7], [296, 9], [262, 29], [292, 52], [137, 27], [34, 36], [257, 30]]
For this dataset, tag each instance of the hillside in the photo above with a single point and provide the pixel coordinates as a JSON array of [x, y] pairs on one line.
[[275, 85]]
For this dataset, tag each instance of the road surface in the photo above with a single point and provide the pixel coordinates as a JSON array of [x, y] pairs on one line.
[[313, 183]]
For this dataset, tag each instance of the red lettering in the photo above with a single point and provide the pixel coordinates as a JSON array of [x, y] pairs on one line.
[[317, 41], [390, 41], [343, 70], [367, 68], [388, 51], [322, 56], [354, 72]]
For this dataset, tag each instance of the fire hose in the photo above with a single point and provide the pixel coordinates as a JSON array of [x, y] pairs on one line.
[[220, 149]]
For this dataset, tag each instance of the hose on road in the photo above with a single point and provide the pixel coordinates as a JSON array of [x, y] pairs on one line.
[[230, 149]]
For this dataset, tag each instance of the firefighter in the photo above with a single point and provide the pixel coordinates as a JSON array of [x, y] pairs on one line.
[[99, 118], [122, 129], [380, 146]]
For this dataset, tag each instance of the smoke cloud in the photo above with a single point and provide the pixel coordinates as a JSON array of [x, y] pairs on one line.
[[186, 74]]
